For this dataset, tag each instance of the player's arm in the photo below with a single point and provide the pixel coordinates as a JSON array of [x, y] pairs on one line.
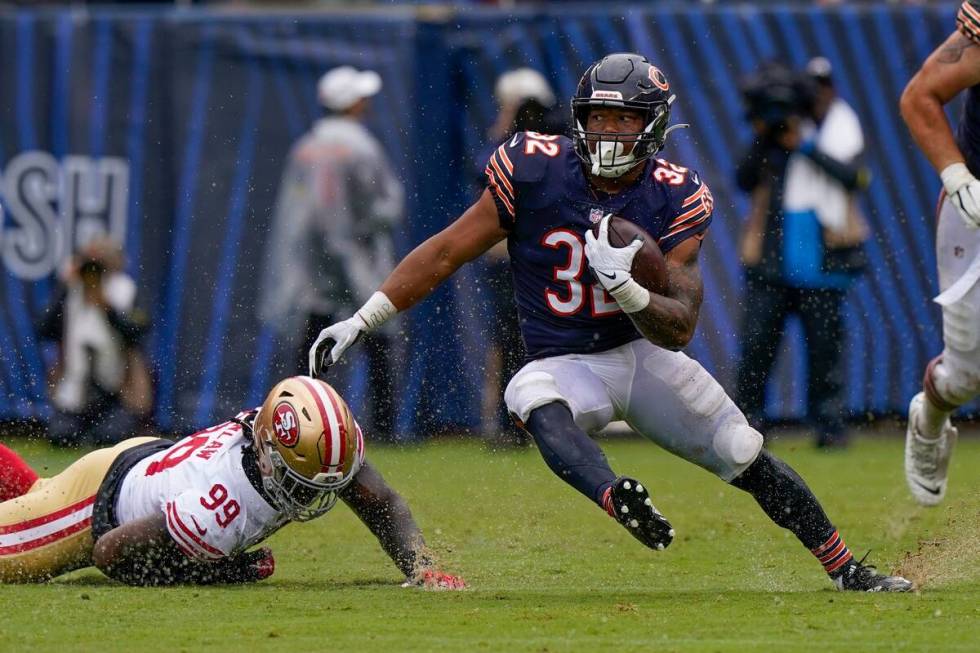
[[142, 552], [418, 274], [951, 68], [669, 320], [435, 260], [387, 515]]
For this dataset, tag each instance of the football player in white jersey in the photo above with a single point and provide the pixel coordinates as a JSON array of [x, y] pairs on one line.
[[153, 512], [952, 379]]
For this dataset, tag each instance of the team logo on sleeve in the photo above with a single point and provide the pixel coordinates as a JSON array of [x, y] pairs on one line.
[[285, 422]]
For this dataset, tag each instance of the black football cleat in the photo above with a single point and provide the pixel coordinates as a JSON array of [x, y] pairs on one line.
[[630, 504], [858, 577]]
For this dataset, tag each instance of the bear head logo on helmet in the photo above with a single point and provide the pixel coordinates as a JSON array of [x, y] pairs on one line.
[[625, 81], [309, 446]]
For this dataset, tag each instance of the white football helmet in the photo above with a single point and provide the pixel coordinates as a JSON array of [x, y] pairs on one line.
[[309, 446]]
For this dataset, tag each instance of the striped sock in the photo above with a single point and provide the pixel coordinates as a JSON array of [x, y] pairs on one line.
[[607, 502], [833, 554]]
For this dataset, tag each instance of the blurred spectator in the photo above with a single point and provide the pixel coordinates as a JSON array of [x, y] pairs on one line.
[[331, 242], [101, 388], [802, 242], [525, 102]]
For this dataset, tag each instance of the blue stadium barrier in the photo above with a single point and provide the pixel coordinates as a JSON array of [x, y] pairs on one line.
[[192, 113]]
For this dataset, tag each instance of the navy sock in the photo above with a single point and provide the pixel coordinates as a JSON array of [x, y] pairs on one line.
[[785, 497], [569, 451]]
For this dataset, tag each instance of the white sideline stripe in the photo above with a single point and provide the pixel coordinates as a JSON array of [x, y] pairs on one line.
[[43, 530]]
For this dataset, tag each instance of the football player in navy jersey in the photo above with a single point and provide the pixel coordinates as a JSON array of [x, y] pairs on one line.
[[600, 346]]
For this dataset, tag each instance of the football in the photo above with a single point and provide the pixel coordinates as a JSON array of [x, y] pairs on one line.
[[649, 266]]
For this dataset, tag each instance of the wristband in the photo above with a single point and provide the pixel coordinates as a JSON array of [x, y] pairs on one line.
[[376, 311], [631, 296]]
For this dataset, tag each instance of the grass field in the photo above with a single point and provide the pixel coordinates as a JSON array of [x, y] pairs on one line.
[[550, 572]]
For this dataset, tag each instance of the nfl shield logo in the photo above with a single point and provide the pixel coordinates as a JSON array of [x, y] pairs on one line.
[[595, 215]]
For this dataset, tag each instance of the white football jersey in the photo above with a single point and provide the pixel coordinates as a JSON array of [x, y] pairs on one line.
[[199, 484]]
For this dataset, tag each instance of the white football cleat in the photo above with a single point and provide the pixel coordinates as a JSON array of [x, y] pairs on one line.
[[927, 461]]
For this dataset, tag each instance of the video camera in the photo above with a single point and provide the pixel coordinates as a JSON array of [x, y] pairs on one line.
[[773, 95]]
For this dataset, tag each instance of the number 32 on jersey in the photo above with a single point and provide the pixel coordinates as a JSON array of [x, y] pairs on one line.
[[600, 302]]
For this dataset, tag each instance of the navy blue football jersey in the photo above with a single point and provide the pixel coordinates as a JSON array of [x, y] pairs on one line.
[[546, 202]]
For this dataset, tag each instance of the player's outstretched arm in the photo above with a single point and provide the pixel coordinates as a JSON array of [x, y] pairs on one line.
[[387, 515], [418, 274]]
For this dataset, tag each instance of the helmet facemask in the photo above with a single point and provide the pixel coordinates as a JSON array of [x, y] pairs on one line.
[[296, 497], [612, 155]]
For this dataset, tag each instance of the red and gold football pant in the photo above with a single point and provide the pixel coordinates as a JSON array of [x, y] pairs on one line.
[[48, 531]]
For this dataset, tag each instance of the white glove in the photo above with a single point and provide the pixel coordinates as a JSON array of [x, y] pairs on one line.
[[611, 266], [333, 341], [963, 190]]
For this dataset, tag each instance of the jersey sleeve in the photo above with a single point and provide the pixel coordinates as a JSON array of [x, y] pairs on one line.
[[198, 530], [691, 206], [518, 162], [968, 20]]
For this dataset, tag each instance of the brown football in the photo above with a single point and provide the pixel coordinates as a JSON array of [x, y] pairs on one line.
[[649, 265]]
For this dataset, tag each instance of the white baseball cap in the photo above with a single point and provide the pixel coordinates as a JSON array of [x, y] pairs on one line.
[[515, 86], [340, 88]]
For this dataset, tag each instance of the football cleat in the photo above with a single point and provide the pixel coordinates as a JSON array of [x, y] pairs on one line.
[[629, 503], [857, 577], [927, 460]]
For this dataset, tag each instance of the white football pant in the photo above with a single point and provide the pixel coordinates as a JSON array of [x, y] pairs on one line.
[[663, 395]]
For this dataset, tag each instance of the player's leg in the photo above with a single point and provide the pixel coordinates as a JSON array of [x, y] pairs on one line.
[[953, 378], [694, 418], [763, 322], [820, 312], [48, 531], [16, 476], [559, 401]]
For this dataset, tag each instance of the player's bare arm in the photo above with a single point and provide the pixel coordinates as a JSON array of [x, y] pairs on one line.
[[414, 278], [386, 514], [951, 68], [435, 260], [388, 517], [669, 320]]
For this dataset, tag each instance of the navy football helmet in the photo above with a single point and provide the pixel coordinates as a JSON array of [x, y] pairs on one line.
[[628, 81]]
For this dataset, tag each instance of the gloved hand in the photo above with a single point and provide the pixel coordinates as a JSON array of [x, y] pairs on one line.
[[333, 342], [252, 566], [432, 579], [963, 190], [611, 265]]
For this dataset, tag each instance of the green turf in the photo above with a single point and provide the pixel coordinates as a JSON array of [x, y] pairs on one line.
[[550, 572]]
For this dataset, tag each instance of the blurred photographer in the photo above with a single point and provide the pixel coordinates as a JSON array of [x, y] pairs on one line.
[[100, 386], [802, 243]]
